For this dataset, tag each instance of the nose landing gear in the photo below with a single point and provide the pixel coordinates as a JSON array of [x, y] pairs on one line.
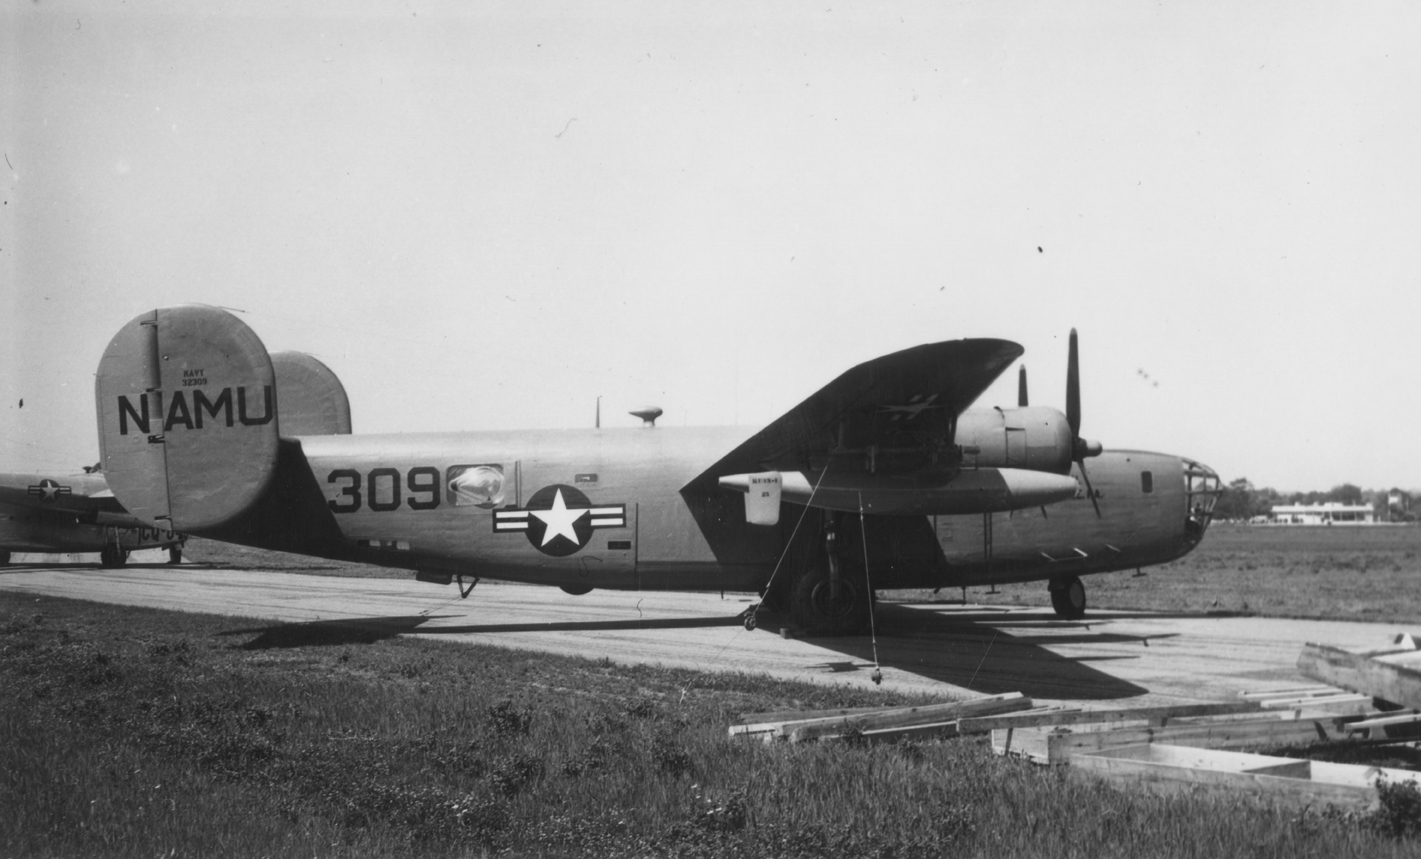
[[1068, 597]]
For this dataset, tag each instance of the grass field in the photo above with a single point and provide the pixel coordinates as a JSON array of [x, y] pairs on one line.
[[132, 732]]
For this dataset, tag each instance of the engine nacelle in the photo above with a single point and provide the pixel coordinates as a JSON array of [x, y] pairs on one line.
[[1035, 438]]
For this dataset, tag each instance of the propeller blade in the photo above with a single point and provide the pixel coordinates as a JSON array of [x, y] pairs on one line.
[[1073, 388], [1021, 388], [1089, 491]]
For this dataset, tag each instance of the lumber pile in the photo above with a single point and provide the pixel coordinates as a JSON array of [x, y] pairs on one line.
[[1327, 699], [1239, 725], [1169, 746], [1391, 673], [1201, 745]]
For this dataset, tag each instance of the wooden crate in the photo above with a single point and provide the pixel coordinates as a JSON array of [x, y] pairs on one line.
[[1166, 766], [1058, 745]]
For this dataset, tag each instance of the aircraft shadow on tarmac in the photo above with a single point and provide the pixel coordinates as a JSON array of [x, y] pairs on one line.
[[367, 630], [974, 651], [327, 633]]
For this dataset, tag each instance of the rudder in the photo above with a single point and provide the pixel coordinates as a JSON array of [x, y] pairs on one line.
[[313, 401], [187, 409]]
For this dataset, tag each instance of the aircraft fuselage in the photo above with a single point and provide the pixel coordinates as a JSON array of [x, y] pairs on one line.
[[610, 508]]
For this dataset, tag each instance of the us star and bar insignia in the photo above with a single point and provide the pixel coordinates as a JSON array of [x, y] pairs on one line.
[[559, 519], [48, 491], [915, 406]]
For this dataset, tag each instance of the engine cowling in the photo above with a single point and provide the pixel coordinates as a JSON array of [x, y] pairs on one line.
[[1035, 438]]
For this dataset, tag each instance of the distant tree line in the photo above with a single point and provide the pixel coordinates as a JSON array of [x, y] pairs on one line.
[[1242, 500]]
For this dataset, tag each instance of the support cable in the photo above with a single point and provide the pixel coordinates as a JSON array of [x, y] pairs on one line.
[[750, 619], [877, 675], [750, 615]]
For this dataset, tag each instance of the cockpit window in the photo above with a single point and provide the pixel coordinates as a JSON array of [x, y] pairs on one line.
[[1147, 482], [1202, 488]]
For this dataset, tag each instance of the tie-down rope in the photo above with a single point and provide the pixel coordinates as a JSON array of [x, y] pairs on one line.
[[877, 675]]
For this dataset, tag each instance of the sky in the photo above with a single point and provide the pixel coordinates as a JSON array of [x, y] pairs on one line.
[[487, 215]]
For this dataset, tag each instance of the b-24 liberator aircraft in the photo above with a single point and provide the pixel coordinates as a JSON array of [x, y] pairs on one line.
[[74, 513], [883, 479]]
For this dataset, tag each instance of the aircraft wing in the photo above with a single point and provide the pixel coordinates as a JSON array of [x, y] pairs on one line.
[[76, 494], [905, 398]]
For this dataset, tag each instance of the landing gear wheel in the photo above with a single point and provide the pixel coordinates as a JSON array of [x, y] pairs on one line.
[[1068, 597], [175, 554], [4, 558], [819, 608], [113, 556], [575, 590]]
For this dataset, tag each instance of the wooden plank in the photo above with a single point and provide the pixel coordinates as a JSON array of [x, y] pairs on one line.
[[1397, 726], [1122, 714], [1361, 673], [930, 714], [934, 731], [1060, 745], [1383, 721], [1034, 717], [759, 723], [1158, 764], [755, 723], [751, 720], [769, 722], [1350, 704], [1290, 692]]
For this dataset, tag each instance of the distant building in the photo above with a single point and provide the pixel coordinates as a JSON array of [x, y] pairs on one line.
[[1326, 513]]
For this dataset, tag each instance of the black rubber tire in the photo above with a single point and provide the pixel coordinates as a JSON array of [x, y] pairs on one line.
[[4, 558], [576, 590], [816, 610], [1068, 597], [113, 557], [175, 554]]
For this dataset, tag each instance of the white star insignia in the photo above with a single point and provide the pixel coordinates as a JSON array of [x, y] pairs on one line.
[[916, 406], [559, 520]]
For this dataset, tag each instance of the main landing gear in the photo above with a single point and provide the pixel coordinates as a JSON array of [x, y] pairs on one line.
[[1068, 597], [832, 595], [113, 555], [175, 553]]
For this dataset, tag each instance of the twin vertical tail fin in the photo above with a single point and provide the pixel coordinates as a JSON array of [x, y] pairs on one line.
[[187, 411]]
